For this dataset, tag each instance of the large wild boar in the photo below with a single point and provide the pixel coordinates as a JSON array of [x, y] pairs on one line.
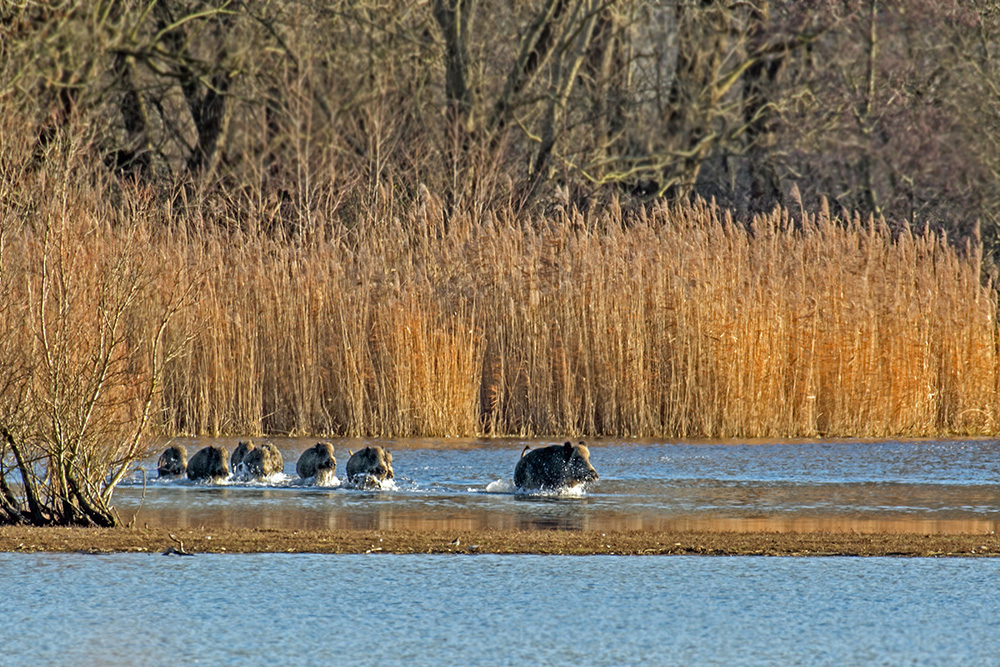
[[369, 467], [318, 462], [209, 461], [554, 467], [173, 461], [263, 461]]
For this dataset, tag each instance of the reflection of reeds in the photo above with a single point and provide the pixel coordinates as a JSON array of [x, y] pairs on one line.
[[675, 322]]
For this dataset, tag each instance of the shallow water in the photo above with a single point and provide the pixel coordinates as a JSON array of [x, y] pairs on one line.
[[917, 485], [265, 609]]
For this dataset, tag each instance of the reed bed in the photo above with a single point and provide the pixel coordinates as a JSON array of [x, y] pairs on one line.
[[674, 321]]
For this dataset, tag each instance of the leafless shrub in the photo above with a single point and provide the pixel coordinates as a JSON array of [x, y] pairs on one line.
[[82, 348]]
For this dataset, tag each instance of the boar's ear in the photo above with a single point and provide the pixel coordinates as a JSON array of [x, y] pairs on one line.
[[525, 450], [568, 450]]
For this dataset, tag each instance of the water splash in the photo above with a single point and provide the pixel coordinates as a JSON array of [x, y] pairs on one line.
[[274, 479], [507, 486], [500, 486], [241, 472], [212, 481], [330, 481], [575, 491], [369, 483]]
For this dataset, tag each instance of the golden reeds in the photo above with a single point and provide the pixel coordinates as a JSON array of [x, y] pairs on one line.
[[673, 322]]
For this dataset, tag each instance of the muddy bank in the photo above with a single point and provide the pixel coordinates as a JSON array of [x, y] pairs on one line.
[[158, 540]]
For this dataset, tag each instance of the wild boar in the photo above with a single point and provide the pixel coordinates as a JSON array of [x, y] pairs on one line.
[[240, 453], [262, 461], [173, 461], [209, 461], [318, 462], [369, 467], [554, 467]]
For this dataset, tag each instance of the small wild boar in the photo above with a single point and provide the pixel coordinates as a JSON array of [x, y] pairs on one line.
[[263, 461], [554, 467], [369, 467], [318, 462], [209, 461], [173, 461], [240, 453]]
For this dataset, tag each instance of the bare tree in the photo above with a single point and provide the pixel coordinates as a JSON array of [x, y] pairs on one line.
[[78, 377], [312, 105]]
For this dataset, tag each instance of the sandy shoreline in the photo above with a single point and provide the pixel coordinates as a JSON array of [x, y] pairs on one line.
[[717, 543]]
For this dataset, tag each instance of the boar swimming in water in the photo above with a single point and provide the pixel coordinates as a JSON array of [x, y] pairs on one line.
[[368, 468], [554, 467], [210, 462], [173, 461], [240, 453], [318, 462], [262, 461]]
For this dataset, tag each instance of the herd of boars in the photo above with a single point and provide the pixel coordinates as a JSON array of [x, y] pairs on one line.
[[545, 468], [367, 468]]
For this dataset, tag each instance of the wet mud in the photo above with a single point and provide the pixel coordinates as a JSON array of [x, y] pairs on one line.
[[779, 539]]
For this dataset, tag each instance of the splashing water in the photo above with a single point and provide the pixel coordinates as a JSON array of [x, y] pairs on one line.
[[369, 483], [507, 486], [499, 486], [575, 491]]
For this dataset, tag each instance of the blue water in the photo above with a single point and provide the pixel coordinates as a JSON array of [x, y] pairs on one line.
[[273, 609], [642, 485]]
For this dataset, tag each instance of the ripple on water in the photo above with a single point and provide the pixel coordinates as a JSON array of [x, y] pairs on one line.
[[136, 608], [642, 485]]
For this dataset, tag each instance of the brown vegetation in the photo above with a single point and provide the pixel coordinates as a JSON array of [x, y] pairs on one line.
[[466, 217], [673, 321], [83, 347], [306, 107]]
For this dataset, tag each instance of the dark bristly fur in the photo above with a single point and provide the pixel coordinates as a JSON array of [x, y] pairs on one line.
[[369, 467], [263, 460], [173, 461], [209, 462], [554, 467], [318, 459]]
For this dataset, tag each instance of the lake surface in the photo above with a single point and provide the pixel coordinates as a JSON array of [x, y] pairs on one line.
[[911, 485], [309, 609]]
